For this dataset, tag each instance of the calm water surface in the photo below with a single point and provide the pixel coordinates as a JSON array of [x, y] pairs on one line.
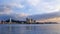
[[29, 28]]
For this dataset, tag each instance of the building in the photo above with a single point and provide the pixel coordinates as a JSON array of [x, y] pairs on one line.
[[30, 21]]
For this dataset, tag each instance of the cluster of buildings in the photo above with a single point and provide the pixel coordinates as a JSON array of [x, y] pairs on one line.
[[11, 21], [28, 21]]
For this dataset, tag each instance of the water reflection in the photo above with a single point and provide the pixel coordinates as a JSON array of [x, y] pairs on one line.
[[46, 29]]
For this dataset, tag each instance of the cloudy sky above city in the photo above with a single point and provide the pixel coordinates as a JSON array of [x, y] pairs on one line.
[[29, 7]]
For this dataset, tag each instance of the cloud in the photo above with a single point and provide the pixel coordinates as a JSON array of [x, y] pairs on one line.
[[44, 6], [8, 9], [5, 9], [25, 8], [9, 6], [17, 5], [51, 6], [22, 15], [31, 6], [33, 2]]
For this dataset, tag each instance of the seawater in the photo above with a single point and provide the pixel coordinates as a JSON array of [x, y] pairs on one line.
[[29, 28]]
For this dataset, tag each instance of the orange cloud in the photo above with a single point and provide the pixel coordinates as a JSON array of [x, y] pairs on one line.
[[22, 15], [56, 19]]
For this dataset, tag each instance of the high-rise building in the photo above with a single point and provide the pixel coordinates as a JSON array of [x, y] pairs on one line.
[[10, 21], [29, 20]]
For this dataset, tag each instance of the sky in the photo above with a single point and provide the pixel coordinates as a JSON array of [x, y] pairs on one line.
[[29, 7]]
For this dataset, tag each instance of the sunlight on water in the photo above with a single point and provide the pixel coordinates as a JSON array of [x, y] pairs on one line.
[[30, 29]]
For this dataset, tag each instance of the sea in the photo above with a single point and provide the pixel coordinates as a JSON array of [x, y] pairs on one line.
[[29, 28]]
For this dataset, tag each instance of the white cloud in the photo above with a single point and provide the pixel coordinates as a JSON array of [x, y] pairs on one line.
[[51, 7], [44, 6], [33, 2], [18, 5]]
